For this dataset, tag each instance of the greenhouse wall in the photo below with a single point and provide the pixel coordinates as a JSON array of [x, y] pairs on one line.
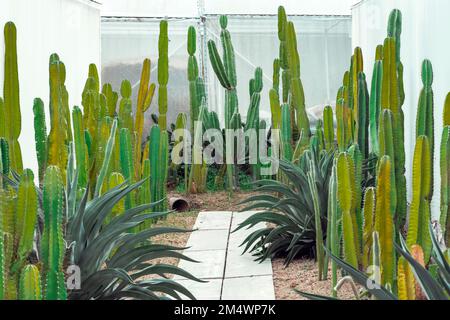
[[421, 20], [70, 28]]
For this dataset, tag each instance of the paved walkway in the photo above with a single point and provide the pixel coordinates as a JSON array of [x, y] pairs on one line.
[[230, 275]]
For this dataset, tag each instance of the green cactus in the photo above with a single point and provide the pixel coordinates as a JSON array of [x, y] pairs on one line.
[[52, 244], [11, 115], [276, 75], [445, 173], [80, 146], [357, 159], [363, 115], [158, 166], [286, 133], [40, 135], [425, 114], [193, 78], [163, 73], [125, 107], [126, 162], [346, 191], [375, 105], [3, 273], [275, 109], [60, 124], [384, 222], [145, 98], [111, 99], [420, 215], [30, 284], [369, 225], [283, 58], [328, 126]]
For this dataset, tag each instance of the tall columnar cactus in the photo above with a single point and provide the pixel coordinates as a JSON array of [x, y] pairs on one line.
[[375, 104], [275, 109], [346, 197], [58, 137], [193, 77], [40, 136], [126, 162], [225, 70], [3, 273], [25, 218], [30, 284], [405, 280], [163, 73], [328, 127], [419, 217], [445, 172], [358, 220], [111, 99], [394, 31], [158, 152], [284, 64], [286, 133], [276, 75], [369, 225], [52, 244], [80, 147], [125, 107], [425, 114], [10, 119], [363, 115], [145, 98], [384, 222], [356, 66], [391, 99]]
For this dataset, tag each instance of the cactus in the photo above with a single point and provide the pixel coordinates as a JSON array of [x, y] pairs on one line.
[[80, 146], [384, 225], [346, 197], [163, 73], [193, 78], [425, 114], [125, 107], [369, 225], [275, 109], [30, 284], [286, 133], [445, 183], [405, 279], [40, 135], [3, 271], [284, 64], [419, 217], [276, 76], [145, 98], [52, 244], [11, 115], [225, 70], [328, 126], [58, 137], [126, 162], [111, 99], [358, 219], [363, 116], [375, 104], [158, 166]]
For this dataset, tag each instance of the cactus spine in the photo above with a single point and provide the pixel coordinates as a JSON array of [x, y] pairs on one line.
[[52, 244], [11, 116], [30, 284], [163, 73]]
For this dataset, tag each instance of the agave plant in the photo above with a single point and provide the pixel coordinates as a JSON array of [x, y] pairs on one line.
[[290, 209]]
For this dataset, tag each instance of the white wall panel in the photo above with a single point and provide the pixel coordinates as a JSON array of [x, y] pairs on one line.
[[70, 28]]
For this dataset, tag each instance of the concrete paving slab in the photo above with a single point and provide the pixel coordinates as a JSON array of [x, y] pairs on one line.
[[239, 265], [211, 266], [207, 240], [248, 288], [213, 220], [203, 291]]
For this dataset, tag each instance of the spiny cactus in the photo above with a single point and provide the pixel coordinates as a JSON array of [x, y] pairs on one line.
[[40, 135], [3, 273], [384, 224], [125, 107], [52, 244], [286, 133], [369, 225], [10, 118], [375, 104], [358, 220], [328, 127], [419, 217], [111, 99], [30, 284], [405, 280], [158, 152], [145, 98], [425, 113], [445, 172], [58, 137], [363, 115], [346, 197], [126, 162], [163, 73], [193, 77], [80, 146]]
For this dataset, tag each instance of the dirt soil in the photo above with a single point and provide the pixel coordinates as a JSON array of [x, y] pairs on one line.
[[303, 275], [215, 201]]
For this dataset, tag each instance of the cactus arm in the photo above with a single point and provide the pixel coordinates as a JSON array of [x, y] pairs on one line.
[[30, 284], [26, 216], [163, 72], [106, 159], [11, 97], [384, 221], [447, 110], [275, 109], [52, 244], [40, 135], [218, 66]]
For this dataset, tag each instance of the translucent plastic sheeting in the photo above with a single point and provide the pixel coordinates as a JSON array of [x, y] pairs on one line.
[[424, 22], [70, 28], [324, 45]]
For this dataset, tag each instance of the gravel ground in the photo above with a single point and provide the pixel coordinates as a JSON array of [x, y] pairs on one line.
[[303, 275]]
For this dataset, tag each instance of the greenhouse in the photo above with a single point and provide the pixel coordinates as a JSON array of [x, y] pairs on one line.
[[213, 150]]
